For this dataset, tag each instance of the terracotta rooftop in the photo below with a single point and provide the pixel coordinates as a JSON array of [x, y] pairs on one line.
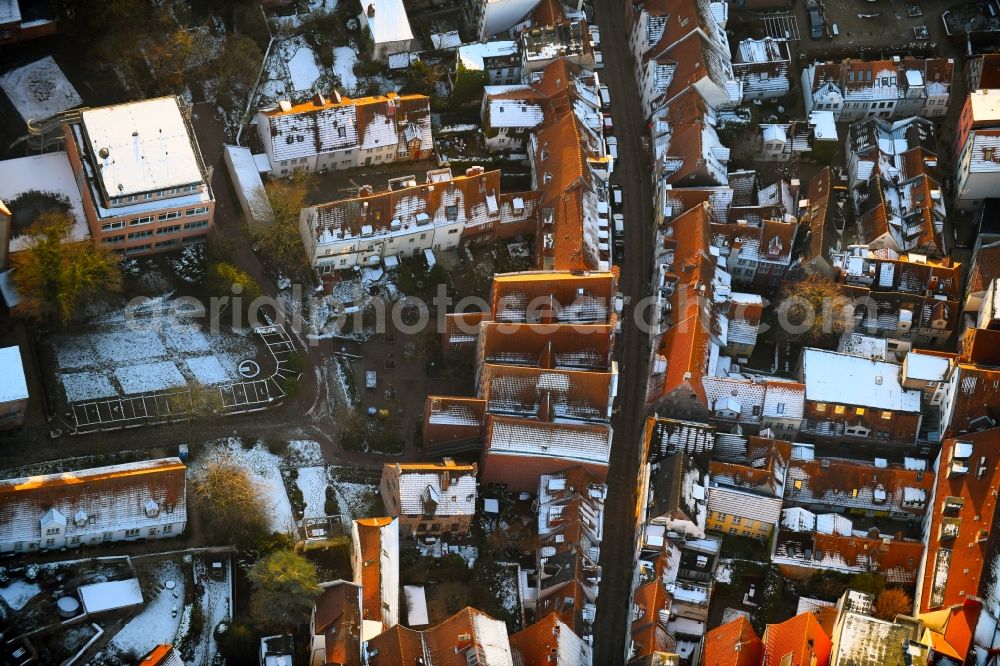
[[799, 641], [733, 644], [338, 618], [546, 641]]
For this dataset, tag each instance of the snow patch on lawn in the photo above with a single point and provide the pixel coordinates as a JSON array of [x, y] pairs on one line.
[[18, 594], [302, 68], [313, 481], [344, 59], [156, 624], [354, 498]]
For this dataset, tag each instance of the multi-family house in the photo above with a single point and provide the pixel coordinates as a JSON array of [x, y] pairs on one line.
[[977, 147], [823, 219], [927, 371], [983, 71], [897, 88], [430, 499], [677, 496], [570, 530], [549, 640], [784, 142], [543, 44], [341, 133], [336, 625], [687, 147], [745, 495], [409, 218], [862, 640], [486, 18], [762, 65], [734, 643], [140, 173], [546, 378], [128, 502], [498, 61], [387, 28], [375, 563], [665, 437], [985, 268], [469, 636], [856, 399], [757, 255]]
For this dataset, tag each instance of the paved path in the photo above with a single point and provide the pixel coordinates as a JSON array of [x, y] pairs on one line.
[[632, 173]]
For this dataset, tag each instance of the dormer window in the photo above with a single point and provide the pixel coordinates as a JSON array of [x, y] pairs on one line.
[[152, 508]]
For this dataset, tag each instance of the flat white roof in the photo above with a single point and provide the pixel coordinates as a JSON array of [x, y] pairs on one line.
[[926, 367], [147, 146], [10, 11], [471, 55], [985, 104], [389, 22], [13, 385], [416, 605], [50, 173], [852, 380], [110, 595]]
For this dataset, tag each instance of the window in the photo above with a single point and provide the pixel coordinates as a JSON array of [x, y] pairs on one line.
[[839, 409], [172, 229], [167, 243], [860, 411], [140, 220], [111, 226], [798, 484], [52, 530], [75, 539], [147, 196], [200, 210], [196, 225], [820, 406], [131, 533], [113, 239], [50, 542], [145, 233], [172, 215], [886, 415], [167, 529]]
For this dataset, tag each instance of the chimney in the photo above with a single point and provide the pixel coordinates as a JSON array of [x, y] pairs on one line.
[[371, 10], [319, 100]]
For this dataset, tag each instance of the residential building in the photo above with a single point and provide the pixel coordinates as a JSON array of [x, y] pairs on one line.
[[897, 88], [972, 387], [430, 499], [163, 655], [985, 268], [687, 148], [665, 437], [733, 644], [758, 253], [799, 641], [547, 641], [387, 26], [677, 496], [545, 43], [140, 172], [893, 180], [6, 229], [499, 61], [140, 500], [823, 218], [337, 627], [21, 21], [761, 66], [342, 133], [469, 636], [492, 17], [784, 142], [977, 147], [13, 389], [862, 640], [745, 496], [927, 371], [408, 218], [852, 398], [375, 563]]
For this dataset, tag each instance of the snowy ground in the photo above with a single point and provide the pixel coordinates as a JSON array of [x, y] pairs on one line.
[[18, 593], [39, 90], [302, 68], [344, 59], [354, 498], [159, 620], [313, 481], [142, 349], [216, 606]]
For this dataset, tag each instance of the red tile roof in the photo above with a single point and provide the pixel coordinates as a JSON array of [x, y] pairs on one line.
[[802, 638], [733, 644], [370, 576]]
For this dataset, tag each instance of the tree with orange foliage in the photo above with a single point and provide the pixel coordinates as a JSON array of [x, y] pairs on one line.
[[892, 602]]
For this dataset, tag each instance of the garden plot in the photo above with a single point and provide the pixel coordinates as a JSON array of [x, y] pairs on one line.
[[292, 67], [159, 620], [136, 351], [313, 482], [355, 499], [39, 90], [18, 593], [344, 59]]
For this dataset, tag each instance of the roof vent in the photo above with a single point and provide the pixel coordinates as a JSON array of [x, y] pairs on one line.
[[371, 10], [104, 153]]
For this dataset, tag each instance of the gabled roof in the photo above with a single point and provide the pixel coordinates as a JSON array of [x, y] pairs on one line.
[[985, 267], [338, 618], [823, 234], [856, 485], [801, 637], [435, 489], [549, 641], [378, 547], [733, 644], [564, 441]]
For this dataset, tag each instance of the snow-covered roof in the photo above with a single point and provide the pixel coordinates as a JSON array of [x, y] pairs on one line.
[[141, 146], [446, 40], [416, 605], [10, 11], [571, 443], [13, 385], [247, 180], [836, 378], [427, 493], [833, 523], [110, 595], [50, 173], [926, 367], [471, 56], [798, 519], [514, 113], [387, 20]]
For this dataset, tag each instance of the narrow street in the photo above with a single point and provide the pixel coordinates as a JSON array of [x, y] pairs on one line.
[[632, 174]]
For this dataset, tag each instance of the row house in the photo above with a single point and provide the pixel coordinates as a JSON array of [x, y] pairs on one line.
[[409, 217], [972, 387], [822, 220], [757, 256], [927, 371], [761, 66], [140, 172], [336, 625], [897, 88], [430, 499], [686, 146], [745, 494], [785, 142], [546, 377], [734, 643], [570, 530], [977, 146], [665, 437], [798, 641], [469, 636], [676, 497], [649, 640], [959, 564], [807, 542], [983, 72], [140, 500], [569, 39], [858, 488], [985, 268], [550, 640], [906, 298], [856, 399], [755, 403], [375, 563], [498, 61], [342, 133]]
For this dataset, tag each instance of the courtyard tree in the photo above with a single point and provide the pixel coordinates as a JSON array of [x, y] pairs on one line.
[[468, 85], [285, 586], [230, 505], [58, 279], [892, 602], [236, 69], [814, 309], [280, 243]]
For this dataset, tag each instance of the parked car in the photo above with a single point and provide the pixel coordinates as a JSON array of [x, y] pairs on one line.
[[609, 125], [616, 198], [815, 21], [612, 144], [618, 225], [605, 98], [595, 35], [598, 59]]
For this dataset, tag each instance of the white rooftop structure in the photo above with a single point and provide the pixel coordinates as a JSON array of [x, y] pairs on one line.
[[13, 385], [416, 605], [831, 377], [248, 184], [110, 595], [926, 367], [824, 125], [141, 146], [10, 11], [985, 104], [387, 20], [551, 440], [471, 56], [52, 173]]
